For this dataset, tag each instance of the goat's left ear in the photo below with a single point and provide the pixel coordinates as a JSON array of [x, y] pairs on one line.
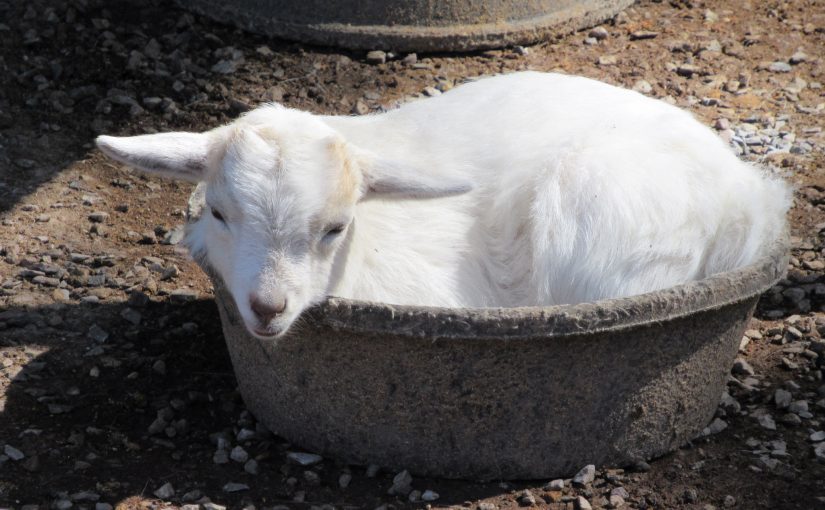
[[399, 179], [176, 155]]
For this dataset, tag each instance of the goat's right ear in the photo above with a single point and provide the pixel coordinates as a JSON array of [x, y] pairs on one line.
[[176, 155]]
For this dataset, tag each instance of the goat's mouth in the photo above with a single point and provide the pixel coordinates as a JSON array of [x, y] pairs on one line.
[[266, 333]]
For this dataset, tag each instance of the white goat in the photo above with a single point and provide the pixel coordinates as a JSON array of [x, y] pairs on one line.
[[524, 189]]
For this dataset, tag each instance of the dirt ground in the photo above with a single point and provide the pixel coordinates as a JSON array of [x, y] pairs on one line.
[[115, 380]]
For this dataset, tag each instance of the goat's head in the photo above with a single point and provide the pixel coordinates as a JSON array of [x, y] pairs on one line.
[[281, 192]]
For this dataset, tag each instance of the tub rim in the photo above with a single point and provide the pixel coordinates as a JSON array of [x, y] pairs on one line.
[[529, 322]]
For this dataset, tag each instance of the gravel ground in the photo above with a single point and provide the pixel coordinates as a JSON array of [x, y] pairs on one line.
[[115, 386]]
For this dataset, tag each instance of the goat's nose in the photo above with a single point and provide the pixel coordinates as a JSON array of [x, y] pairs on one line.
[[267, 310]]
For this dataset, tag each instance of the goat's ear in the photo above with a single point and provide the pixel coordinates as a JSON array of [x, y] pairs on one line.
[[176, 155], [402, 180]]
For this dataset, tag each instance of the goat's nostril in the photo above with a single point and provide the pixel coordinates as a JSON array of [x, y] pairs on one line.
[[267, 310]]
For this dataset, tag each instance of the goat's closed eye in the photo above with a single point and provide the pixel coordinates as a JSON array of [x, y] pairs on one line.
[[217, 215], [333, 231]]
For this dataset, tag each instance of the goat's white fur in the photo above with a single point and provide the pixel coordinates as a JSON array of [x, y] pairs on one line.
[[523, 189]]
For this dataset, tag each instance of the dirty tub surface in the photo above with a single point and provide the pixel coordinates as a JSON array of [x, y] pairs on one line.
[[506, 393]]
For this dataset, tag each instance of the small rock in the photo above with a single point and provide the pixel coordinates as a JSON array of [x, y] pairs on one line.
[[582, 503], [376, 57], [235, 487], [616, 501], [598, 33], [742, 367], [798, 57], [98, 217], [729, 501], [360, 107], [715, 427], [165, 491], [779, 67], [640, 35], [401, 484], [13, 453], [798, 406], [103, 506], [607, 60], [643, 87], [585, 476], [817, 436], [238, 454], [159, 367], [782, 398], [526, 498], [372, 470], [62, 504], [304, 459], [687, 70], [251, 467], [429, 495], [344, 480], [410, 59], [555, 485], [220, 457], [767, 422]]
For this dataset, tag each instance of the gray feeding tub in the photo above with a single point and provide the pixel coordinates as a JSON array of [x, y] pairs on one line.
[[410, 25], [500, 393]]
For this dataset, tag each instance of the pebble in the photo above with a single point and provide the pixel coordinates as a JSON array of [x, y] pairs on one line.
[[304, 459], [782, 398], [729, 501], [798, 407], [640, 35], [598, 33], [643, 87], [767, 422], [526, 498], [616, 501], [742, 367], [582, 503], [585, 476], [183, 295], [103, 506], [372, 470], [429, 495], [238, 454], [62, 504], [555, 485], [235, 487], [220, 457], [98, 217], [165, 491], [817, 436], [779, 67], [344, 480], [715, 427], [401, 484], [798, 57], [607, 60], [376, 57], [13, 453]]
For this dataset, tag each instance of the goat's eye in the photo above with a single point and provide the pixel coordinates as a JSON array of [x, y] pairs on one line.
[[334, 231], [217, 215]]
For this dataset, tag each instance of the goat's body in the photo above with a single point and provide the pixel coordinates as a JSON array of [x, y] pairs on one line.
[[584, 191]]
